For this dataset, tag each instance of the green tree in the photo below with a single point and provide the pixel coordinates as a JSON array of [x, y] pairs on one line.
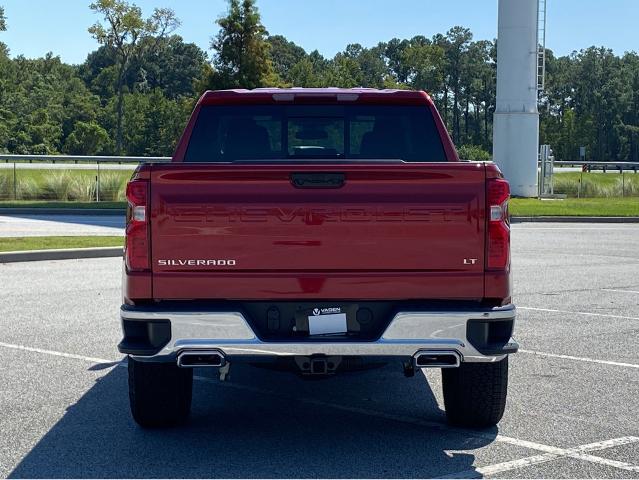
[[630, 117], [4, 51], [3, 20], [477, 82], [473, 152], [152, 122], [171, 65], [40, 101], [284, 56], [373, 71], [87, 138], [599, 99], [456, 44], [304, 74], [242, 53], [423, 65], [344, 72], [167, 63], [124, 31], [395, 56], [558, 121]]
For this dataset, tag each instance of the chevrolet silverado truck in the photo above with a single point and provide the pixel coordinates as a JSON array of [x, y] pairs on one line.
[[317, 231]]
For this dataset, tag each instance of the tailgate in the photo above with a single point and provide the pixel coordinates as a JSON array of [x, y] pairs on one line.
[[245, 230]]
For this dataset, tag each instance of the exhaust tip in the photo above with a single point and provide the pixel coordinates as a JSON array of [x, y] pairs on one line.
[[200, 358], [437, 359]]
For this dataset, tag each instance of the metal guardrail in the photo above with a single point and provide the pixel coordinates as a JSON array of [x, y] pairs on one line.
[[94, 192], [98, 191], [586, 166], [10, 158], [604, 165]]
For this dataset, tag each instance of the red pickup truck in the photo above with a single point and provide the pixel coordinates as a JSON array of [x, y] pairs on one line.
[[318, 231]]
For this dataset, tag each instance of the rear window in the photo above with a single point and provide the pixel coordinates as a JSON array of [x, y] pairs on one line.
[[283, 132]]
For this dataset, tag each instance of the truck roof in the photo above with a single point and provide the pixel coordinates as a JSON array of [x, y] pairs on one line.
[[316, 95]]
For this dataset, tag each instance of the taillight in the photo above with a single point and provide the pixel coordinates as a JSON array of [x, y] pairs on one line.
[[137, 226], [498, 238]]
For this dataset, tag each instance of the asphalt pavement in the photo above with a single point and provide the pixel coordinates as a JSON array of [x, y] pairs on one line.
[[16, 225], [572, 410]]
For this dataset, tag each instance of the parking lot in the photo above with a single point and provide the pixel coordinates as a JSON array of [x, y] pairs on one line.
[[573, 409]]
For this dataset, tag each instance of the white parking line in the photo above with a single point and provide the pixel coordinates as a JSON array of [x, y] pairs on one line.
[[607, 462], [56, 354], [591, 314], [554, 453], [619, 290], [626, 226], [504, 466], [580, 359], [550, 453]]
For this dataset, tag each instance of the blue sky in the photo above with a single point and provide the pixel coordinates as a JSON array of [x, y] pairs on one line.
[[40, 26]]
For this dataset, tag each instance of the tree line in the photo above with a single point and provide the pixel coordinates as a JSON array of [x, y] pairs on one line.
[[133, 95]]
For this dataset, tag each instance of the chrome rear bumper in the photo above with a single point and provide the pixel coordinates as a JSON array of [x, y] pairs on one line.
[[408, 334]]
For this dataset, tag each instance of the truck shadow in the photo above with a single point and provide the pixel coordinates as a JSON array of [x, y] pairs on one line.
[[261, 425]]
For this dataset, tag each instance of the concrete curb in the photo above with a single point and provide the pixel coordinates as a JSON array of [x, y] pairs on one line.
[[552, 219], [65, 254], [64, 211]]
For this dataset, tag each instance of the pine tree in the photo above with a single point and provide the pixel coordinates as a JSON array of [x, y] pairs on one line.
[[242, 58], [3, 20]]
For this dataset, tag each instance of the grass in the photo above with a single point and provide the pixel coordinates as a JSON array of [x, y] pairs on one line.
[[15, 244], [575, 207]]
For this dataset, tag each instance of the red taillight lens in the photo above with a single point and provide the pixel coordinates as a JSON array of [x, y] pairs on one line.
[[498, 243], [137, 231]]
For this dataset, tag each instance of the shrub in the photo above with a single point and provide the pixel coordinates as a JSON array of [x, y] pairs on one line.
[[598, 185], [629, 186], [566, 186], [122, 193], [82, 189], [592, 189], [473, 152], [6, 187], [55, 186], [589, 188], [111, 185], [27, 189]]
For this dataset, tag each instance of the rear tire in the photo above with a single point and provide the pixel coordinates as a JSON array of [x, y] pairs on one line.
[[159, 393], [475, 393]]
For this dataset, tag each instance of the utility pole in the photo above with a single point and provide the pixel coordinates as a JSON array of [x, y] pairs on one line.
[[516, 122]]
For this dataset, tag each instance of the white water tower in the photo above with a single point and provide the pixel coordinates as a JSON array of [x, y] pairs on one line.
[[520, 75]]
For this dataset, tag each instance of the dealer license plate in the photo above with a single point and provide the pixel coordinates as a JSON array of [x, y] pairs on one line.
[[327, 324]]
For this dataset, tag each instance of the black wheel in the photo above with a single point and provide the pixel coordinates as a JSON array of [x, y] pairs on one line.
[[159, 393], [475, 393]]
